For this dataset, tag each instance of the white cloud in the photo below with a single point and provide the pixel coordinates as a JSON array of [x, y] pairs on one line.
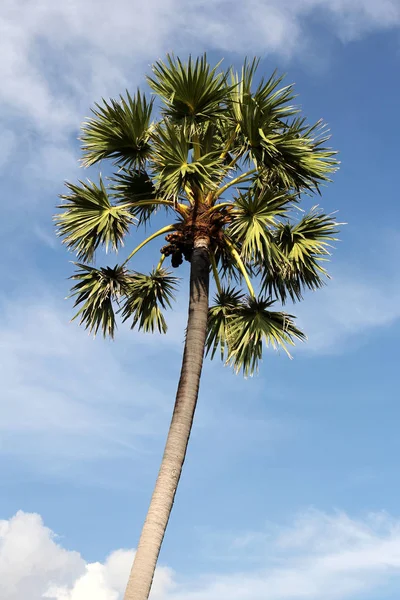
[[58, 57], [348, 309], [34, 565], [8, 143], [318, 555], [59, 387]]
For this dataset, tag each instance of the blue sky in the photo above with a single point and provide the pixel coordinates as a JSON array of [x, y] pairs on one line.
[[291, 484]]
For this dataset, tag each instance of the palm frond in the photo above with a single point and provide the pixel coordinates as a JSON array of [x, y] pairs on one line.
[[175, 166], [96, 291], [253, 217], [192, 92], [292, 152], [259, 110], [146, 295], [227, 268], [219, 316], [131, 187], [271, 101], [90, 220], [118, 130], [252, 325], [304, 246], [297, 155]]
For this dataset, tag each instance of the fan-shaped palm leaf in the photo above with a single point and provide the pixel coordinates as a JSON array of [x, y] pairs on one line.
[[90, 220], [146, 295], [297, 155], [96, 291], [293, 152], [254, 215], [219, 316], [135, 189], [251, 325], [304, 246], [175, 168], [191, 92], [119, 130], [260, 110]]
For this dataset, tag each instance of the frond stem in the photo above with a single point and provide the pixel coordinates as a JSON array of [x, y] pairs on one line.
[[241, 266], [147, 240], [160, 262], [215, 272], [243, 177], [220, 205], [230, 142], [181, 208]]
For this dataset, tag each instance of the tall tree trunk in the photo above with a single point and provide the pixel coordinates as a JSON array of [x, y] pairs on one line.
[[153, 531]]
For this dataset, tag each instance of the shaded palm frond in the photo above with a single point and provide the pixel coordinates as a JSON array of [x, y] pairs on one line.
[[146, 295], [219, 316], [251, 325], [90, 220], [304, 247], [118, 130], [96, 291], [192, 92], [227, 267], [132, 188]]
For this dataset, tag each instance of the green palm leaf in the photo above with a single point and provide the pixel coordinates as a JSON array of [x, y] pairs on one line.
[[90, 220], [146, 295], [176, 169], [297, 155], [254, 215], [251, 325], [96, 291], [260, 110], [132, 188], [191, 92], [292, 151], [219, 316], [304, 246], [119, 130]]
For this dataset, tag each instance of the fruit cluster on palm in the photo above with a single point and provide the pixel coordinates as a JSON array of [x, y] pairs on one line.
[[227, 160]]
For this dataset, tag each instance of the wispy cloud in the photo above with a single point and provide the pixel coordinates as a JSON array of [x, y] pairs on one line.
[[58, 57], [318, 555], [349, 308], [67, 396]]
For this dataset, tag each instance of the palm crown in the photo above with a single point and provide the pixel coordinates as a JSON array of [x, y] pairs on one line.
[[226, 159]]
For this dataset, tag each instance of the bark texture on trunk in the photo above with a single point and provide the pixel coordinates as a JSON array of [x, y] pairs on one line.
[[153, 531]]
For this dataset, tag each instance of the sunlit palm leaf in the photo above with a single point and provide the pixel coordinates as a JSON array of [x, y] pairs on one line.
[[90, 220], [95, 293], [175, 167], [146, 296], [219, 316], [261, 109], [192, 91], [305, 246], [293, 152], [253, 217], [251, 325], [119, 130], [297, 155]]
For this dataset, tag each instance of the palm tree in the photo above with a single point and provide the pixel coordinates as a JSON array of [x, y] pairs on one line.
[[227, 161]]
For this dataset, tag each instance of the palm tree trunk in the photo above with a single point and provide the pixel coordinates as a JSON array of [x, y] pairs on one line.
[[153, 531]]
